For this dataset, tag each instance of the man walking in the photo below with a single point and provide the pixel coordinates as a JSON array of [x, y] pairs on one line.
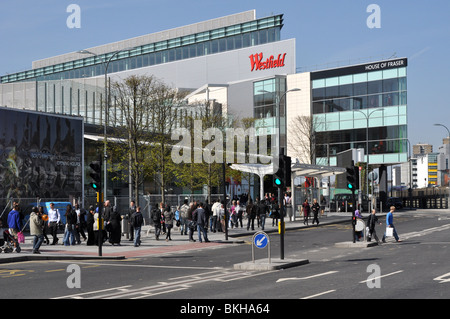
[[390, 224], [53, 220], [156, 218], [371, 222], [184, 222], [199, 215], [36, 229], [315, 207], [136, 221], [14, 225], [130, 213]]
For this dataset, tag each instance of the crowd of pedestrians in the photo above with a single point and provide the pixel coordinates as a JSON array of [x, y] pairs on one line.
[[83, 225]]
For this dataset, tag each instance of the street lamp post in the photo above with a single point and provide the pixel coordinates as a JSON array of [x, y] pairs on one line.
[[367, 116], [105, 154], [281, 152]]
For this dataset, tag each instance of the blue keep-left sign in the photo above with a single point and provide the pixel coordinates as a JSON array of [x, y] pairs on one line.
[[261, 240]]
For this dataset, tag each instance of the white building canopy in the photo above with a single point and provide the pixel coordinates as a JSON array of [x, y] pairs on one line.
[[316, 171], [297, 169]]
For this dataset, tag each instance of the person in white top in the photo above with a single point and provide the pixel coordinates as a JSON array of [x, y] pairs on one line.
[[215, 210], [53, 221]]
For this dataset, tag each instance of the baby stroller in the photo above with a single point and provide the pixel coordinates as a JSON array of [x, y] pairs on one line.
[[8, 242]]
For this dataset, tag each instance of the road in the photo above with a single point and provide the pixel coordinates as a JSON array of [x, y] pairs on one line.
[[418, 267]]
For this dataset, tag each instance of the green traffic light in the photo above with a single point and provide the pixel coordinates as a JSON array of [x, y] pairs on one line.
[[349, 186], [277, 181], [94, 186]]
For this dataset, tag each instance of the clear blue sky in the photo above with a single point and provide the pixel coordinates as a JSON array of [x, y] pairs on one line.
[[326, 31]]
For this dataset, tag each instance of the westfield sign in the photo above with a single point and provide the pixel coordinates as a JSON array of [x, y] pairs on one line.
[[258, 62]]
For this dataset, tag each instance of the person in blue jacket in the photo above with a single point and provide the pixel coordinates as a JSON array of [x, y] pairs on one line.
[[390, 224], [14, 223]]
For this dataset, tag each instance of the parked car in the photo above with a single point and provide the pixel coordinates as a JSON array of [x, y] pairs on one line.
[[392, 201], [341, 200], [61, 206]]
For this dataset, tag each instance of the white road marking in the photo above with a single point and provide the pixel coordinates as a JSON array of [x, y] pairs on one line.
[[371, 279], [319, 294], [306, 278], [159, 288], [443, 279]]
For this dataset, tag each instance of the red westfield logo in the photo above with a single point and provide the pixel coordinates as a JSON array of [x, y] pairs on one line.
[[270, 63]]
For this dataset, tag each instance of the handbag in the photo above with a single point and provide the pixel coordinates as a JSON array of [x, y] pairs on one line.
[[389, 231], [20, 237]]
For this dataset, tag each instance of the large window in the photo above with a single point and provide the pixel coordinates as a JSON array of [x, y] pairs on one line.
[[209, 42], [330, 96], [337, 103]]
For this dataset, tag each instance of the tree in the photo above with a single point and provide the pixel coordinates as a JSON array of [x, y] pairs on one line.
[[302, 138], [142, 116], [196, 172]]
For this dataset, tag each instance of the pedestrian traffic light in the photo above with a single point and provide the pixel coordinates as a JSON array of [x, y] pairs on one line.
[[278, 176], [353, 178], [282, 177], [96, 173]]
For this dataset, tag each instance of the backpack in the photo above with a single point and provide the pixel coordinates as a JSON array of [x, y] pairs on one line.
[[156, 215]]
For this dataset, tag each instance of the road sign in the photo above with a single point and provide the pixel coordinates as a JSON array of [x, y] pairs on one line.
[[261, 240]]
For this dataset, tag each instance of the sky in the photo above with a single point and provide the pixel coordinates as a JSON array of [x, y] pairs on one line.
[[328, 33]]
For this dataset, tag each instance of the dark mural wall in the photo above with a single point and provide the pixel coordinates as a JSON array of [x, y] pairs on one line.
[[40, 155]]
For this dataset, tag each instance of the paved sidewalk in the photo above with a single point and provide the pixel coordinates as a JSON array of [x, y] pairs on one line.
[[150, 246]]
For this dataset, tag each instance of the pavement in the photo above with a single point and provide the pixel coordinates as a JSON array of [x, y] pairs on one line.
[[151, 247]]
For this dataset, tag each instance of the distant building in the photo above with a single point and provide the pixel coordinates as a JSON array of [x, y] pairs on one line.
[[443, 163], [421, 149]]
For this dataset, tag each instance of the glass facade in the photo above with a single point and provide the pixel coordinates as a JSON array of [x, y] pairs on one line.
[[345, 105], [257, 32], [265, 96]]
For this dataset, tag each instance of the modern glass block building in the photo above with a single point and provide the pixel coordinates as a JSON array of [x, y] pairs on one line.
[[347, 101]]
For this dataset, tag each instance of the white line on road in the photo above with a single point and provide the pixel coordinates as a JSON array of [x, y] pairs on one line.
[[309, 277], [319, 294], [79, 296], [139, 266], [372, 279]]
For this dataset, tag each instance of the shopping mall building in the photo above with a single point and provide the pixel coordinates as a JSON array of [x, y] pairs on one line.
[[243, 64]]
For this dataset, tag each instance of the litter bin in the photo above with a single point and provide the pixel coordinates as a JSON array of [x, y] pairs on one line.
[[125, 226]]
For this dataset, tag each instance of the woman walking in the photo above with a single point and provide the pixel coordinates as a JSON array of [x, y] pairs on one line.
[[114, 226], [168, 220]]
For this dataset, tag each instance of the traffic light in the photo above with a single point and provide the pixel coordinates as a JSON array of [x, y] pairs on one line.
[[282, 177], [353, 178], [278, 176], [287, 171], [96, 174]]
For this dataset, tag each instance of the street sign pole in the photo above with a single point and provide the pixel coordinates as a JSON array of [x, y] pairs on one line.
[[280, 198], [260, 240]]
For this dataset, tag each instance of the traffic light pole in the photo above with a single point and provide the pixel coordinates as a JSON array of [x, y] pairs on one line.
[[280, 200], [100, 216], [353, 184], [353, 216]]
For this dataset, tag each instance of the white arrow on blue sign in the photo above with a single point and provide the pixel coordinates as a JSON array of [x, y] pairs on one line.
[[261, 241]]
